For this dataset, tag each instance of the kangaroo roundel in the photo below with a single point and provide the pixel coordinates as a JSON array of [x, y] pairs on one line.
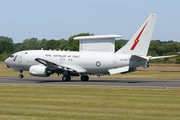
[[98, 64]]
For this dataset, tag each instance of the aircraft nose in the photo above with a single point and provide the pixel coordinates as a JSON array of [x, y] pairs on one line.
[[6, 61]]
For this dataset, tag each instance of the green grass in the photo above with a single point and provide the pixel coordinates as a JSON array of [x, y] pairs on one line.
[[20, 102], [2, 63], [142, 74], [8, 72], [147, 75]]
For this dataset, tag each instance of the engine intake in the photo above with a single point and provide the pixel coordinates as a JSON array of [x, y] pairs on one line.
[[39, 70]]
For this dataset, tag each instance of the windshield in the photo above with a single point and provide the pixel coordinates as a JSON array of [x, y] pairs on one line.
[[12, 56]]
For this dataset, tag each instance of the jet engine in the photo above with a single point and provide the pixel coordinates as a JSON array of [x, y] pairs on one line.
[[39, 70]]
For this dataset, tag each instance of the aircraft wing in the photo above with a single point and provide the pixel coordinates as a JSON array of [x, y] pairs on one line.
[[51, 65], [46, 63], [163, 57]]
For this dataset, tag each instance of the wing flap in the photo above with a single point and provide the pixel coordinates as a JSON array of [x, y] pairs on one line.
[[75, 68], [47, 63]]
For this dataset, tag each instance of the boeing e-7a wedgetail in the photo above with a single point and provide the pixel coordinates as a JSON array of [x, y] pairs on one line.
[[96, 56]]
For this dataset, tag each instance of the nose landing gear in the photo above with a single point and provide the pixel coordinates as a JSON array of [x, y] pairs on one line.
[[21, 75]]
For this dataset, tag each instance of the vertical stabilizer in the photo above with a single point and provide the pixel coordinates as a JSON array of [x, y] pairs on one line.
[[139, 43]]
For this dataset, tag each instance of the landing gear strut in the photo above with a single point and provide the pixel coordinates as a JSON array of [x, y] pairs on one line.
[[84, 78], [21, 75], [66, 78]]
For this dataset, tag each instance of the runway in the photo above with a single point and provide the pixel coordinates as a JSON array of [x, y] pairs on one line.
[[104, 82]]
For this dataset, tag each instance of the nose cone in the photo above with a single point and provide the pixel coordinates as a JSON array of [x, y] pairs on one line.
[[6, 61]]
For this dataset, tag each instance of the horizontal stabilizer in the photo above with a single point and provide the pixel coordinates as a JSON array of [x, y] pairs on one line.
[[119, 70], [136, 57], [158, 57]]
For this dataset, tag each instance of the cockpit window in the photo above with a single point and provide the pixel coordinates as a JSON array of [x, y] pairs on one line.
[[12, 56]]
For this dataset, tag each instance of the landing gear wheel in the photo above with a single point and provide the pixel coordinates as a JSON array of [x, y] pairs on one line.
[[87, 78], [21, 76], [84, 78], [66, 78]]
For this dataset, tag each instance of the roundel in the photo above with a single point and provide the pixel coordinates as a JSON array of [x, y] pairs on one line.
[[98, 63]]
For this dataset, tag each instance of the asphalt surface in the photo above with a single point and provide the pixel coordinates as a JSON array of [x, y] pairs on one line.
[[104, 82]]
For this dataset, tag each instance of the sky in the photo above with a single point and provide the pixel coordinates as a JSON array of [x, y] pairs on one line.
[[57, 19]]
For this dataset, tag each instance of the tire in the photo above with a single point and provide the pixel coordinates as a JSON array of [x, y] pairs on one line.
[[21, 76], [87, 78], [68, 78], [64, 78], [84, 78]]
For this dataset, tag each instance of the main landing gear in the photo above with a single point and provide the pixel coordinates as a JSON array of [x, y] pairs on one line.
[[66, 78], [84, 78], [21, 75]]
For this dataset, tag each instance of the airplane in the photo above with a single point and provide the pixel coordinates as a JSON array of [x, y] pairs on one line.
[[96, 56]]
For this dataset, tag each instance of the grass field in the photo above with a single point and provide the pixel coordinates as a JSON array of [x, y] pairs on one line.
[[20, 102], [159, 71], [23, 102]]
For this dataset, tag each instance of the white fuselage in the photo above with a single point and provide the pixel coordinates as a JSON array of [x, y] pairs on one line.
[[93, 62], [100, 60]]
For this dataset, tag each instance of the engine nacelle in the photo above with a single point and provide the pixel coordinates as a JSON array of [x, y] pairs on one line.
[[39, 70]]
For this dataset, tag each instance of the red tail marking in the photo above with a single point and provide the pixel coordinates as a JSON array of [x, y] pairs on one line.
[[137, 39]]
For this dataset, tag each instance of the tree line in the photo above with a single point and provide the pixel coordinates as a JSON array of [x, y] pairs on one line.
[[7, 47]]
